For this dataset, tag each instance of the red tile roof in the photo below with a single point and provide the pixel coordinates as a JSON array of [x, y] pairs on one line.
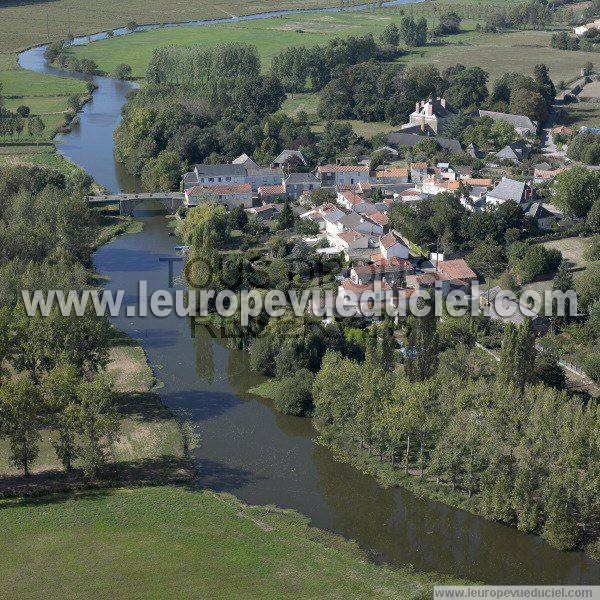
[[389, 239], [352, 197], [391, 172], [379, 218], [350, 236], [457, 269], [271, 190]]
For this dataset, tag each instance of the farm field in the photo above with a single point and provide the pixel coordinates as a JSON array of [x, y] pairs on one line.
[[171, 542], [583, 113], [497, 53]]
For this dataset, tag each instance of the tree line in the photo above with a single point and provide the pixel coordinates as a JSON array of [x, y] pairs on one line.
[[49, 365]]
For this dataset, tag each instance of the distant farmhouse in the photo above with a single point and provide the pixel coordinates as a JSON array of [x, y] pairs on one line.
[[583, 29]]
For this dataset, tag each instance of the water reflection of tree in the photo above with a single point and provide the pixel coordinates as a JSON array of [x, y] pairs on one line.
[[205, 363]]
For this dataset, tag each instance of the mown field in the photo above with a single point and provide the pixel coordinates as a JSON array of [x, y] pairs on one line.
[[168, 542]]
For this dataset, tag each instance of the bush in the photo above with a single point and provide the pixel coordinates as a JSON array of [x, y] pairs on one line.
[[561, 531], [123, 71], [591, 366], [294, 396], [262, 355]]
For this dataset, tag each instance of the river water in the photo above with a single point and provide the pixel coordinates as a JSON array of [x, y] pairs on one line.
[[264, 457]]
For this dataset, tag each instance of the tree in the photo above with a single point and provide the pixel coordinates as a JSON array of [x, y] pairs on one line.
[[576, 190], [123, 71], [421, 357], [35, 127], [390, 35], [488, 259], [23, 111], [97, 424], [59, 393], [294, 393], [517, 356], [238, 218], [162, 173], [132, 25], [286, 216], [531, 103], [20, 420]]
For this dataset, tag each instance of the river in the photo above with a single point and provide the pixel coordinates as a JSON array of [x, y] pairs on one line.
[[264, 457]]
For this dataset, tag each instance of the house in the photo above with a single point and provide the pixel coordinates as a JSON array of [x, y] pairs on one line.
[[245, 161], [263, 176], [562, 130], [288, 157], [351, 221], [545, 172], [432, 279], [342, 175], [545, 215], [432, 113], [211, 175], [323, 215], [523, 125], [515, 151], [387, 152], [391, 246], [364, 296], [393, 271], [349, 240], [351, 200], [434, 185], [266, 211], [509, 189], [583, 29], [391, 175], [380, 219], [410, 195], [271, 193], [458, 271], [229, 195], [298, 183], [401, 139], [418, 171]]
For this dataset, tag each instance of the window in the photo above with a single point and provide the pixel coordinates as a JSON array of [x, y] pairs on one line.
[[227, 178], [211, 179]]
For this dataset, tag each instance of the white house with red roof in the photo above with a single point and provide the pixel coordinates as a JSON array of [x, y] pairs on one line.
[[350, 200], [392, 246]]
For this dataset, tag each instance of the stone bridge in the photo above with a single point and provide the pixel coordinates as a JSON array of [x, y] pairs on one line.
[[127, 202]]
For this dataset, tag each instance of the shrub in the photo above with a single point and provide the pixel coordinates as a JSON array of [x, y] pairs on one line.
[[294, 396]]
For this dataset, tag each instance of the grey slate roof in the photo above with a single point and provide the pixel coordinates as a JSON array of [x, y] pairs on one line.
[[514, 151], [298, 178], [508, 189], [407, 140], [520, 121], [537, 211], [285, 155], [220, 170]]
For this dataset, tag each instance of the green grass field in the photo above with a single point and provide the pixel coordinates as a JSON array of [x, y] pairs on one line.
[[497, 53], [25, 23], [168, 542]]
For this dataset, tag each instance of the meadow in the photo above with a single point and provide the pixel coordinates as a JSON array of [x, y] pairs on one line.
[[497, 53], [172, 542]]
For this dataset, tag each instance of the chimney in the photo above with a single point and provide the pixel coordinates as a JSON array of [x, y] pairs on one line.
[[417, 106], [443, 102]]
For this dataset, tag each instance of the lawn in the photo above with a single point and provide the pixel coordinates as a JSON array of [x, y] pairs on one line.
[[169, 542], [582, 113]]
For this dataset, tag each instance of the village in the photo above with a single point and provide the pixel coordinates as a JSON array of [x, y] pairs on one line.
[[349, 204]]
